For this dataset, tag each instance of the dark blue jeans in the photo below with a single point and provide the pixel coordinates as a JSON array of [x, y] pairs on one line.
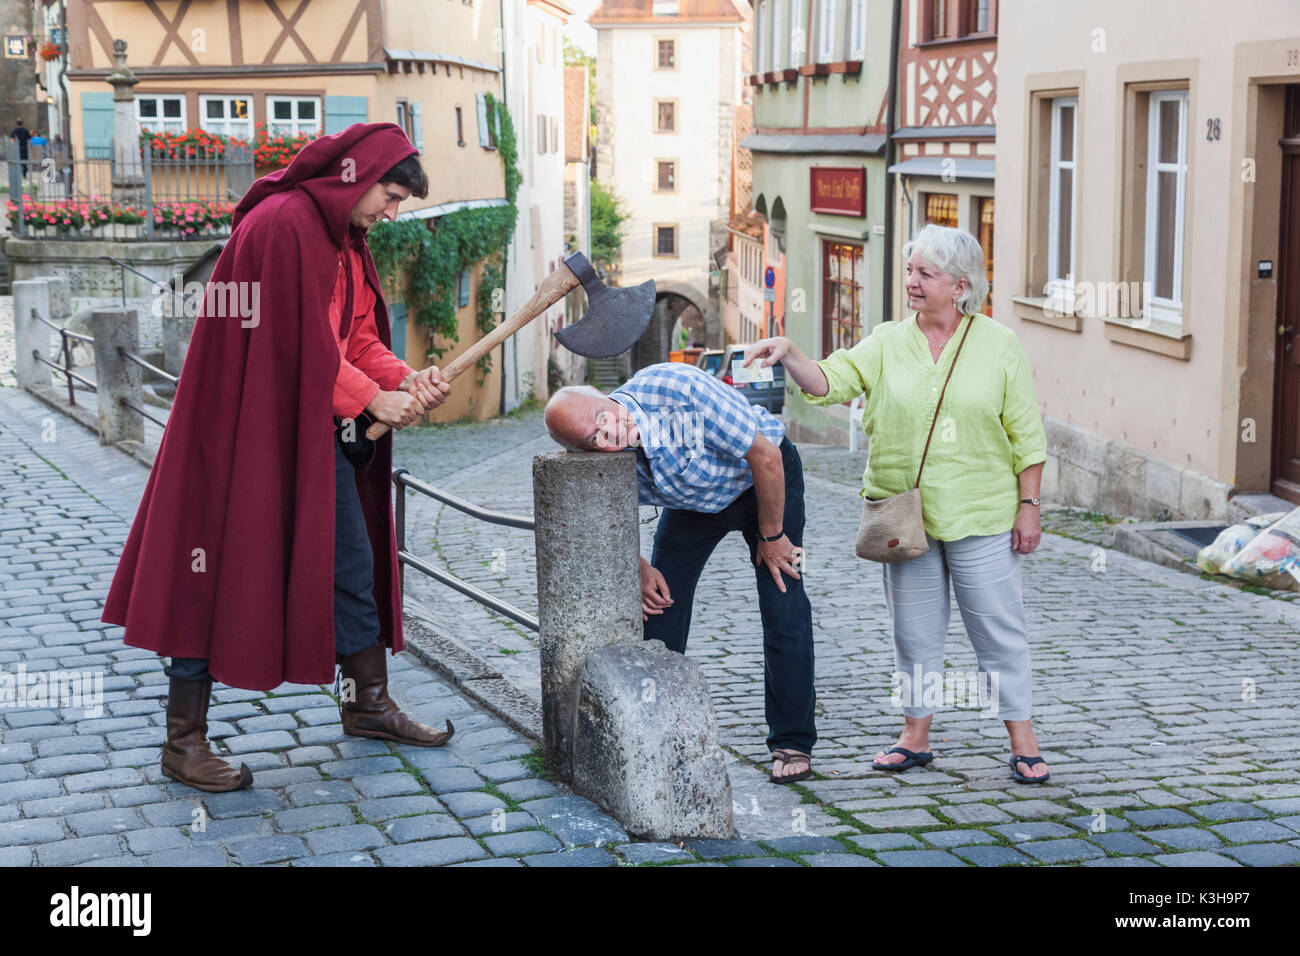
[[356, 618], [683, 542]]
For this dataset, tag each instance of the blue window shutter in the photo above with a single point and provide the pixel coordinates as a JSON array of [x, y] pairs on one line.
[[464, 287], [96, 125], [397, 325], [341, 112], [483, 134]]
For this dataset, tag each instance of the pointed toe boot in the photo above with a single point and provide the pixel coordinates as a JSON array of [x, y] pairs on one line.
[[187, 756], [373, 713]]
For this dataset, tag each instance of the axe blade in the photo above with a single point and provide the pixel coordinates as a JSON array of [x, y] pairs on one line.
[[616, 317]]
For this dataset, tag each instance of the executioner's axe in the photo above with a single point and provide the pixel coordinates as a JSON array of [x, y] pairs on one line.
[[615, 319]]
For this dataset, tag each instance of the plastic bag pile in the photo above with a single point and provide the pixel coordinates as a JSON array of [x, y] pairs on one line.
[[1264, 550]]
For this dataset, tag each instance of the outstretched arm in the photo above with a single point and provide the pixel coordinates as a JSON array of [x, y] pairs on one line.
[[806, 373]]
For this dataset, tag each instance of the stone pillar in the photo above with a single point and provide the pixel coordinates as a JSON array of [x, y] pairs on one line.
[[177, 325], [30, 335], [588, 575], [116, 376], [60, 298], [128, 175]]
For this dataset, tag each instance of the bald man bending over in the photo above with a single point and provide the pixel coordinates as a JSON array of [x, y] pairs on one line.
[[715, 464]]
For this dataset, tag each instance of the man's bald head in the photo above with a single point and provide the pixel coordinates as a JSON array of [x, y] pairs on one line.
[[582, 418]]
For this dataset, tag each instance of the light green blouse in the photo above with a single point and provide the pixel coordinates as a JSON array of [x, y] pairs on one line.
[[989, 429]]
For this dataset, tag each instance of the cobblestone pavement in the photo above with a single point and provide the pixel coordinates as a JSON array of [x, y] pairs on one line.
[[1164, 704], [84, 788], [1140, 687]]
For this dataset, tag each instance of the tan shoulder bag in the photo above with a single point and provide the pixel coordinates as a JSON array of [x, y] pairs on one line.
[[892, 529]]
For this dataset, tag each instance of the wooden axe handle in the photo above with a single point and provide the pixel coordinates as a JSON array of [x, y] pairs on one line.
[[553, 288]]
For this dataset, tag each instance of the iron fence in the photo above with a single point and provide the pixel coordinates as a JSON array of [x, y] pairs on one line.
[[160, 197]]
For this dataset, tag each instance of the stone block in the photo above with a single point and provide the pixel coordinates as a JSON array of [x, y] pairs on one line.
[[645, 743]]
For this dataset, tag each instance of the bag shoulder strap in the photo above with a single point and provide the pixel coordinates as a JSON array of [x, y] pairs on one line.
[[940, 405]]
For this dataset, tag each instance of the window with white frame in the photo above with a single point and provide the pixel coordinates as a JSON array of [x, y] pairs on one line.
[[857, 29], [796, 39], [227, 115], [1166, 190], [778, 32], [826, 30], [300, 115], [161, 112], [1062, 202]]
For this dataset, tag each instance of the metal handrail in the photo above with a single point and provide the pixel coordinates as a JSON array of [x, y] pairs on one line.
[[149, 366], [66, 371], [403, 480], [61, 330], [402, 477], [66, 348], [128, 268], [482, 597], [133, 406]]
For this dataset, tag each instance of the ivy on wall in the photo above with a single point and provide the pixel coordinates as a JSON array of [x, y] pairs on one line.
[[424, 258]]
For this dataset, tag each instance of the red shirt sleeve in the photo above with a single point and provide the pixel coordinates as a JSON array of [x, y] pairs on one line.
[[365, 364], [367, 353]]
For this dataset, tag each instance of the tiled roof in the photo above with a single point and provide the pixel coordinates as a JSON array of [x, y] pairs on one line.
[[642, 11]]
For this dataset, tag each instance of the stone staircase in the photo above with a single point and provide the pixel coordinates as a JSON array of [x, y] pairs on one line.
[[604, 374]]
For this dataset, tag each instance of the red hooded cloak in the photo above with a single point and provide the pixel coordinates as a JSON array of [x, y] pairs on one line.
[[231, 556]]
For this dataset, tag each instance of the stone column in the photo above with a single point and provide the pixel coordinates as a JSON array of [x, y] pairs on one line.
[[30, 335], [588, 575], [116, 376], [177, 325], [128, 175], [60, 298]]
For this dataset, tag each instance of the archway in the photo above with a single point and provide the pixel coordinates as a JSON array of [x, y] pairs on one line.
[[678, 305]]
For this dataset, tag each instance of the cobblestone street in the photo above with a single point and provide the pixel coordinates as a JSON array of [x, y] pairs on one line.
[[1165, 705], [1144, 679]]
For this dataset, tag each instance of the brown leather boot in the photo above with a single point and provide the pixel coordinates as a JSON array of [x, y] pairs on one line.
[[186, 755], [373, 713]]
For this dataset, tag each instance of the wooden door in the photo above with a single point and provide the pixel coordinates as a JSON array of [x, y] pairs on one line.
[[1286, 411]]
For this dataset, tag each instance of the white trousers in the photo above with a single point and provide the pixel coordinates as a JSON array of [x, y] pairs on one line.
[[985, 576]]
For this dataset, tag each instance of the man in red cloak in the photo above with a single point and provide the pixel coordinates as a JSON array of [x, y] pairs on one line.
[[261, 553]]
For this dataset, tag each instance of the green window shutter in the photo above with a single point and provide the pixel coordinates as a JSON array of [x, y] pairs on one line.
[[96, 125], [483, 135], [341, 112], [417, 126]]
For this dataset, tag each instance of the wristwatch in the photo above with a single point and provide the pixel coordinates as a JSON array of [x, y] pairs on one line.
[[1030, 501], [776, 537]]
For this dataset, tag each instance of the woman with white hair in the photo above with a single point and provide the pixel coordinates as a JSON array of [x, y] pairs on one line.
[[982, 465]]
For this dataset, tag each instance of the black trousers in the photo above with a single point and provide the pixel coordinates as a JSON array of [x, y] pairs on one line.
[[683, 542], [356, 618]]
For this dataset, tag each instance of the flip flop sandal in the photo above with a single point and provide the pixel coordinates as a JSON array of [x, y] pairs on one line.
[[1028, 761], [792, 757], [913, 759]]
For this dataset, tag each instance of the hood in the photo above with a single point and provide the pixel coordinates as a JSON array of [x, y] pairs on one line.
[[335, 170]]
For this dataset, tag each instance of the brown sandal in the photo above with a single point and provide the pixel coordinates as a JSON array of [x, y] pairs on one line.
[[794, 757]]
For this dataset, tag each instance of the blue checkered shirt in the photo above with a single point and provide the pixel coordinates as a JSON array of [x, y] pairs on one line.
[[695, 431]]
